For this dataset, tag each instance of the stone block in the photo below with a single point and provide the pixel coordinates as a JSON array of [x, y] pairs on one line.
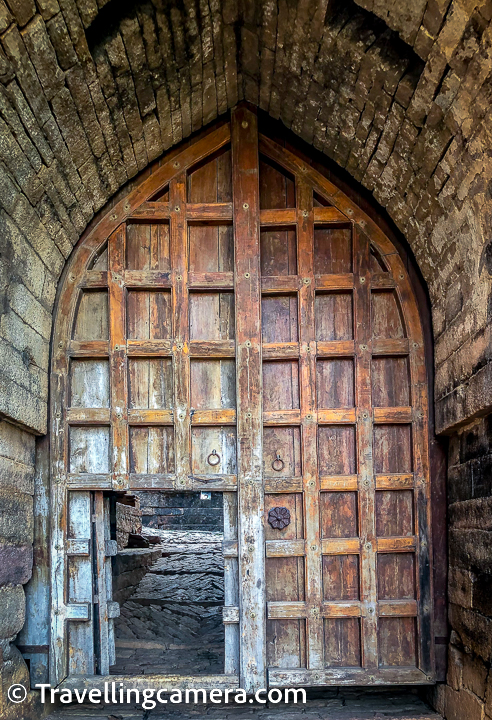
[[15, 564], [460, 587], [475, 673], [12, 610], [463, 705], [470, 549], [16, 444], [471, 514], [455, 668], [474, 629], [16, 518]]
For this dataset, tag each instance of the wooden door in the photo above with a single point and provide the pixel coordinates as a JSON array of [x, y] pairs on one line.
[[237, 324]]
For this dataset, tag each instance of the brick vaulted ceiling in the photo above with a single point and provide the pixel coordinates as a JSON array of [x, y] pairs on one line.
[[398, 94]]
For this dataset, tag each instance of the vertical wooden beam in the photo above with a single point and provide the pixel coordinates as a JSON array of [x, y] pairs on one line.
[[59, 441], [245, 179], [231, 585], [117, 359], [309, 455], [364, 439], [102, 605], [180, 314]]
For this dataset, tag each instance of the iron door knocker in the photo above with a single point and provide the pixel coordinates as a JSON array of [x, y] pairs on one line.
[[214, 458], [278, 464]]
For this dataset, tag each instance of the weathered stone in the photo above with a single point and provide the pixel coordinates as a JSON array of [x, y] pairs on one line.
[[16, 518], [12, 610], [475, 673], [463, 704], [15, 564]]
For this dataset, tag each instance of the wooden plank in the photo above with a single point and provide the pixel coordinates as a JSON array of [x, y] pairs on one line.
[[88, 416], [393, 415], [211, 280], [336, 416], [147, 279], [287, 610], [231, 584], [224, 416], [283, 485], [307, 372], [337, 348], [335, 282], [151, 211], [280, 351], [328, 215], [117, 359], [212, 348], [161, 481], [382, 280], [209, 211], [150, 417], [347, 676], [281, 216], [89, 481], [341, 609], [180, 309], [78, 546], [89, 348], [339, 483], [282, 417], [279, 284], [230, 615], [101, 606], [363, 336], [395, 482], [94, 279], [79, 590], [390, 544], [340, 546], [244, 137], [285, 548], [397, 608], [395, 346], [149, 347]]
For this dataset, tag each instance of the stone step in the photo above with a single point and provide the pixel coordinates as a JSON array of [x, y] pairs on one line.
[[349, 704]]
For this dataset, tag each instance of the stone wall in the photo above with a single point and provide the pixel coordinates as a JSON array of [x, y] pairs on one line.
[[182, 511], [17, 451], [398, 94], [468, 693]]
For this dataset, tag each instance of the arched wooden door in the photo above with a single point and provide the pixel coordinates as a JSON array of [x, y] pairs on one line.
[[237, 324]]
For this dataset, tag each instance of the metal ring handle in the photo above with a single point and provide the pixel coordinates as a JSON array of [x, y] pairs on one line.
[[278, 464], [214, 458]]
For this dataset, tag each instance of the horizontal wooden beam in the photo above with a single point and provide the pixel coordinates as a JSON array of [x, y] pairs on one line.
[[392, 415], [211, 281], [339, 483], [278, 677], [335, 282], [336, 416], [279, 284], [282, 216], [283, 485], [336, 348], [285, 548], [280, 351]]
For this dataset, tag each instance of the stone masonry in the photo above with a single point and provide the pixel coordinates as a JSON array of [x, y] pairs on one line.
[[397, 94]]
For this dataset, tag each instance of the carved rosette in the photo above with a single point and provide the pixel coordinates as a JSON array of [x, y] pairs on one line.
[[279, 518]]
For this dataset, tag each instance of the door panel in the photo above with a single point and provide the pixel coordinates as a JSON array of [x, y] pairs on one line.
[[237, 324]]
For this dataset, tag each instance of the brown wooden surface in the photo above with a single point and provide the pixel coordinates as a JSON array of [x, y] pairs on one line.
[[239, 302]]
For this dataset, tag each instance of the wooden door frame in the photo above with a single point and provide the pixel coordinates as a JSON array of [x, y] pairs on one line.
[[107, 221]]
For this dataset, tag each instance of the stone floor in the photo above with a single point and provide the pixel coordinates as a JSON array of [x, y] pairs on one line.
[[336, 704], [172, 622]]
